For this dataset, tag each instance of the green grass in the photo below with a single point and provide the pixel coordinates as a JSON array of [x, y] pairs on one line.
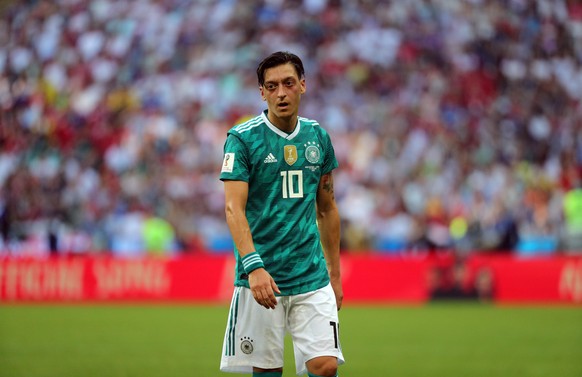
[[438, 340]]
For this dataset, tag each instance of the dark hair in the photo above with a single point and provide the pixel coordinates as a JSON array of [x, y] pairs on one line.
[[276, 59]]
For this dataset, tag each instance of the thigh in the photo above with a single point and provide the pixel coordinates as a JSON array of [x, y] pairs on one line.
[[254, 335], [314, 326]]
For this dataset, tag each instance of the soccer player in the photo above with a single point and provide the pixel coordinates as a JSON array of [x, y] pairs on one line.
[[282, 214]]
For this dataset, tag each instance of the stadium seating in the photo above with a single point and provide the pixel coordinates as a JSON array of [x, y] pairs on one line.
[[114, 110]]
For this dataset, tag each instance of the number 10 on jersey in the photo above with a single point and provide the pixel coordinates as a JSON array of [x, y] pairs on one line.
[[292, 184]]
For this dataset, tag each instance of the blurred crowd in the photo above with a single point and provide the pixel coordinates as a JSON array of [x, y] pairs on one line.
[[457, 124]]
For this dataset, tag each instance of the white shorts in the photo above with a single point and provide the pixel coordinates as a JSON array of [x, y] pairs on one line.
[[255, 335]]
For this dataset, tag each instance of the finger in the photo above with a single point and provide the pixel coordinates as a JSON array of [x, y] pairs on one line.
[[259, 301], [262, 298], [275, 287], [268, 304], [271, 301], [258, 296]]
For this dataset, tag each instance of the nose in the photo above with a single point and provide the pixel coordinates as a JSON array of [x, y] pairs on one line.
[[281, 91]]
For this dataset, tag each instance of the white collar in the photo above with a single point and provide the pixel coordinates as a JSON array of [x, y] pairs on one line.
[[278, 131]]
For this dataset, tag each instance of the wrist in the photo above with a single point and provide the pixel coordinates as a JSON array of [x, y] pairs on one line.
[[252, 261]]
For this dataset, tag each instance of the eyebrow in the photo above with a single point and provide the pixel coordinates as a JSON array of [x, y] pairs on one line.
[[284, 79]]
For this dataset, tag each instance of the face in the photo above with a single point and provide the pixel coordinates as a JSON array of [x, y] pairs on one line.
[[282, 91]]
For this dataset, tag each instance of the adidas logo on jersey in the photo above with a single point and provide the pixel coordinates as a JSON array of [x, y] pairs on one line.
[[270, 159]]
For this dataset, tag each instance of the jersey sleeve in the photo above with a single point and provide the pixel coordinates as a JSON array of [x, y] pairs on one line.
[[235, 164], [329, 162]]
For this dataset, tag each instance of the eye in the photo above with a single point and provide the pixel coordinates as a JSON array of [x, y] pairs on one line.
[[289, 83], [271, 86]]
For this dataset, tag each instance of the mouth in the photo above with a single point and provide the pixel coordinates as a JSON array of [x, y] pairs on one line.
[[282, 105]]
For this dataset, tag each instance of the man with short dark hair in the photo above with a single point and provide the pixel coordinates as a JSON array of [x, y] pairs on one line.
[[281, 212]]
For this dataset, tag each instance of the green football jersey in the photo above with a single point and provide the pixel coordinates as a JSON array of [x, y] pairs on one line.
[[283, 172]]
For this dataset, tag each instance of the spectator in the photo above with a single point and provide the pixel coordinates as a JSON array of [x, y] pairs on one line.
[[573, 216], [450, 110]]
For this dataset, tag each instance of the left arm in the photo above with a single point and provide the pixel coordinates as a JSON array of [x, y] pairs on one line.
[[328, 222]]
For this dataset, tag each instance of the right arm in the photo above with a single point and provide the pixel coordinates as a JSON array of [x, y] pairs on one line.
[[262, 285]]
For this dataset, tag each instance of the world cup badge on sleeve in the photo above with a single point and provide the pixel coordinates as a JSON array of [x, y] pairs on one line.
[[228, 163]]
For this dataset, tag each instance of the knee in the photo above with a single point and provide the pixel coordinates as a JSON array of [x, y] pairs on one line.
[[322, 366]]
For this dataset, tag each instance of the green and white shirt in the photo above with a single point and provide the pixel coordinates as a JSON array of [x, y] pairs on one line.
[[283, 172]]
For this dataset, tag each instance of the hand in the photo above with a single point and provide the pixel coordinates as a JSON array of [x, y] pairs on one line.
[[336, 284], [263, 288]]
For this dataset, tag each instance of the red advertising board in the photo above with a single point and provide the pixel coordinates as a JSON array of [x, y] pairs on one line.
[[201, 278], [527, 279], [380, 278], [372, 278]]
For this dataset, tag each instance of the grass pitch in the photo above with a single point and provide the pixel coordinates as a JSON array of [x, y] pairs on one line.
[[436, 340]]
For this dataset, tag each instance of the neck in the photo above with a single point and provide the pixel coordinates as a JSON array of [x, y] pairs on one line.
[[286, 124]]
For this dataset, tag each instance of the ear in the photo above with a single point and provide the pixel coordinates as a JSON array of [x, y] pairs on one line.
[[303, 86], [262, 90]]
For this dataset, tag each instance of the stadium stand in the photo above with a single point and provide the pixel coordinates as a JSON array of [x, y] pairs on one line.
[[114, 112]]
